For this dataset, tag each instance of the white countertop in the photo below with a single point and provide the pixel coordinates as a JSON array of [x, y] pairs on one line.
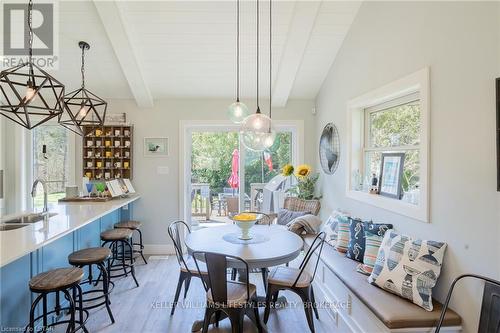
[[70, 216]]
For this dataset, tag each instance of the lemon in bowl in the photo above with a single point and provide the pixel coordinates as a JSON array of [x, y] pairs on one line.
[[245, 221]]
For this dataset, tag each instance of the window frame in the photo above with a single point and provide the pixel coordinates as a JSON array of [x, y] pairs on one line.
[[379, 99], [71, 179]]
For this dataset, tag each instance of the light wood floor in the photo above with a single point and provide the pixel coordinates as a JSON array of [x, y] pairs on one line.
[[147, 309]]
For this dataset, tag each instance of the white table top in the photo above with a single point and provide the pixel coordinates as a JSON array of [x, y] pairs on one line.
[[283, 246], [70, 216]]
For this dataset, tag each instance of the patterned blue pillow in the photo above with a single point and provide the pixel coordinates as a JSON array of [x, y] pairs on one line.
[[356, 247]]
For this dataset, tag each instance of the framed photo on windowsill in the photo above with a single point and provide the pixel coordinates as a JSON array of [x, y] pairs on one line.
[[391, 175]]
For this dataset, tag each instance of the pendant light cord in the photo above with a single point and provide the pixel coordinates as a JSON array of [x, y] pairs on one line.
[[30, 39], [238, 51], [270, 58], [83, 67], [258, 106]]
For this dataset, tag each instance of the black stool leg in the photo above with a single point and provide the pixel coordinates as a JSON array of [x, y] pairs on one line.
[[31, 325], [71, 325], [132, 267], [105, 282], [44, 311], [123, 258], [141, 246], [58, 304], [80, 302]]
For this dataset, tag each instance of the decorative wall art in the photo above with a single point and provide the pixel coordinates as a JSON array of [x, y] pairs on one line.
[[155, 147], [329, 149]]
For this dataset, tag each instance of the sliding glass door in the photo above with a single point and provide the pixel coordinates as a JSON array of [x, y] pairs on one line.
[[223, 177]]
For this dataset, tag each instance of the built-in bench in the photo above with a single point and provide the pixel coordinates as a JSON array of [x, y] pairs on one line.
[[362, 307]]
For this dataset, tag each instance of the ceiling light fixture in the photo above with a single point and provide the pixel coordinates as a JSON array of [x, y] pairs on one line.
[[29, 95], [257, 130], [237, 111], [82, 106]]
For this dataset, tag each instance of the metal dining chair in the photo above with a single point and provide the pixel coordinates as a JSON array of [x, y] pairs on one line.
[[489, 321], [265, 219], [297, 280], [177, 231], [234, 299]]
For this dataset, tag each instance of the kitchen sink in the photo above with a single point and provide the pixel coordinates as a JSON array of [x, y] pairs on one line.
[[30, 218], [7, 227]]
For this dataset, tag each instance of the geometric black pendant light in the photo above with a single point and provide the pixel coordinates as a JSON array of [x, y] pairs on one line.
[[30, 96], [82, 106]]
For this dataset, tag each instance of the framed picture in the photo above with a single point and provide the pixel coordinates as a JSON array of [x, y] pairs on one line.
[[391, 174], [498, 132], [116, 118], [155, 147]]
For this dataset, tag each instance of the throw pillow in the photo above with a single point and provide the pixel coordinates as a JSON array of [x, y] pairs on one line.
[[342, 233], [330, 228], [408, 267], [285, 216], [357, 243], [373, 240], [308, 223]]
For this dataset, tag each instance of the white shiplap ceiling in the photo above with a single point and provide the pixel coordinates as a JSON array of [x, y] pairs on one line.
[[185, 49]]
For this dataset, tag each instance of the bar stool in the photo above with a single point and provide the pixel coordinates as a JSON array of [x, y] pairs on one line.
[[134, 226], [94, 256], [120, 242], [55, 281]]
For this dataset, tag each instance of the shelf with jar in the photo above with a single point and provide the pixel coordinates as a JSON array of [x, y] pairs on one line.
[[107, 152]]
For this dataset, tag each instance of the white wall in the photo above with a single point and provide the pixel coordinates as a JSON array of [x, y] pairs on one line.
[[14, 153], [460, 42], [160, 193]]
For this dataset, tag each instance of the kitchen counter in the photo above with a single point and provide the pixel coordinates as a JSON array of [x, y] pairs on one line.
[[71, 216]]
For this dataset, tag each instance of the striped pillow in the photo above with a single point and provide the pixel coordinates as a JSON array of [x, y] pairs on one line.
[[373, 240], [342, 233]]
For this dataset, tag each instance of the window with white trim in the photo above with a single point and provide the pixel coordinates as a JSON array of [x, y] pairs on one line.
[[394, 127], [392, 122]]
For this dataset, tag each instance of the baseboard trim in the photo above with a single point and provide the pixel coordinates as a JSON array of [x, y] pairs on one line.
[[158, 249]]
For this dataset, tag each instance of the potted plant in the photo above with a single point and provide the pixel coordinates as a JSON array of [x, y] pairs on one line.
[[305, 181]]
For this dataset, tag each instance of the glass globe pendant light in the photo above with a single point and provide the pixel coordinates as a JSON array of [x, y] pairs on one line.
[[29, 96], [257, 130], [82, 106], [237, 111]]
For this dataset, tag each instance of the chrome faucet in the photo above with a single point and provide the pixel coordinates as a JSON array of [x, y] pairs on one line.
[[45, 194]]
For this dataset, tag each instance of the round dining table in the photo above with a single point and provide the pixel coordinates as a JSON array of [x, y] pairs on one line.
[[270, 246]]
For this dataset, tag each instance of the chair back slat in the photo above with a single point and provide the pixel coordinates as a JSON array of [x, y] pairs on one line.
[[489, 321], [315, 248], [217, 274], [177, 231]]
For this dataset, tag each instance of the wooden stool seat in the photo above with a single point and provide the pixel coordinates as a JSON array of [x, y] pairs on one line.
[[128, 225], [116, 234], [56, 279], [93, 255]]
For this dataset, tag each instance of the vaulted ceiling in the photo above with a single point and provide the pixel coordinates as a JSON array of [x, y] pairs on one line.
[[150, 50]]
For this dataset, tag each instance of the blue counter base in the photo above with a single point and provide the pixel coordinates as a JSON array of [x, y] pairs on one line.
[[15, 296]]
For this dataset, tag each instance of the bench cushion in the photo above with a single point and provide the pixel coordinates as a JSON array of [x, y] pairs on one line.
[[392, 310]]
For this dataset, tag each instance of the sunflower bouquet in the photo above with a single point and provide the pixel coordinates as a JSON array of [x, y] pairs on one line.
[[305, 186]]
